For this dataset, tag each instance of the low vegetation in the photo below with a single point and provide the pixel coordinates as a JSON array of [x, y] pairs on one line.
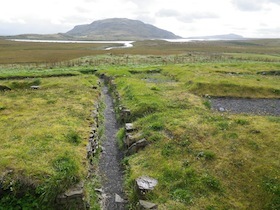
[[203, 159], [43, 138]]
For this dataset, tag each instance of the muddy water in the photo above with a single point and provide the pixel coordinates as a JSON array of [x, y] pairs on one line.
[[109, 166]]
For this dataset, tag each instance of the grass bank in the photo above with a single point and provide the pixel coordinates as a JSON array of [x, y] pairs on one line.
[[202, 159], [44, 134]]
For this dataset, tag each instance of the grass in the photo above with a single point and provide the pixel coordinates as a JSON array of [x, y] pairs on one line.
[[44, 135], [155, 51], [218, 80], [25, 53], [211, 160], [202, 159]]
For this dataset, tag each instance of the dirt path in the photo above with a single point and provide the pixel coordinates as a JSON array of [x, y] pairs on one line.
[[109, 166]]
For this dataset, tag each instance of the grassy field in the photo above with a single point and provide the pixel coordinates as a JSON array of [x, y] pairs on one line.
[[37, 53], [44, 134], [12, 52], [201, 158]]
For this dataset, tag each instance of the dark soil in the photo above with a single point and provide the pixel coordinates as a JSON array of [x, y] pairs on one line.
[[109, 165], [250, 106]]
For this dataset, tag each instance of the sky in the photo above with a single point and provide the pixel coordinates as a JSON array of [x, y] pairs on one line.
[[186, 18]]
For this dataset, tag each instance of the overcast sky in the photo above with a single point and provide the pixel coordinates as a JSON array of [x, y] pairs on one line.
[[249, 18]]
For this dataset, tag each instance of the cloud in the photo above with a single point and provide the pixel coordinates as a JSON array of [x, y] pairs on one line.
[[191, 17], [146, 18], [185, 18], [168, 13], [188, 17], [80, 9], [253, 5], [274, 1], [268, 32], [28, 26], [248, 5], [142, 3]]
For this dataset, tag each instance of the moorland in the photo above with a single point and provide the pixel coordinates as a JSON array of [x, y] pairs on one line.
[[202, 158]]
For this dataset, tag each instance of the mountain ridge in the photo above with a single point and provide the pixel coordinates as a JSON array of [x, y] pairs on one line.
[[120, 29]]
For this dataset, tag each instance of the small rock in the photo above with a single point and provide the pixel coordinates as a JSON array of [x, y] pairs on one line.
[[131, 139], [200, 155], [221, 109], [129, 127], [76, 191], [99, 190], [118, 199], [147, 205], [207, 96], [89, 147], [145, 184], [35, 87], [141, 144], [126, 112]]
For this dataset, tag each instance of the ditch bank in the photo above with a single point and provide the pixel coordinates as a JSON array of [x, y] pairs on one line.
[[17, 191]]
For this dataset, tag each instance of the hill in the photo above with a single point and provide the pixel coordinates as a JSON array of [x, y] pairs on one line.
[[120, 29]]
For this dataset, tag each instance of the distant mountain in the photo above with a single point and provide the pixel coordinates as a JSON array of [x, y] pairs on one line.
[[119, 29], [220, 37]]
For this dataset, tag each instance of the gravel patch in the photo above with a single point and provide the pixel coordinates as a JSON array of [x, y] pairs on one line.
[[249, 106]]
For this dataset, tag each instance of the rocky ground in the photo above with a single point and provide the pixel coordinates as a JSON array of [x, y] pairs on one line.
[[249, 106]]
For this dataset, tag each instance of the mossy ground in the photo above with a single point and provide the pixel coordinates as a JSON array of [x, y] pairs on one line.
[[44, 134], [202, 159]]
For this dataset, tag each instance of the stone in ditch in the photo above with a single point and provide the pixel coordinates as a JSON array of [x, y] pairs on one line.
[[129, 127], [89, 147], [141, 144], [147, 205], [76, 191], [131, 139], [118, 199], [126, 112]]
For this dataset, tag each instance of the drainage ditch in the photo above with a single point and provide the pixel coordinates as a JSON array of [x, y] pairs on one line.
[[110, 161]]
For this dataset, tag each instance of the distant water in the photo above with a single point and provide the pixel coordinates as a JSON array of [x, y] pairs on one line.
[[191, 40], [182, 40], [206, 39], [125, 44]]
